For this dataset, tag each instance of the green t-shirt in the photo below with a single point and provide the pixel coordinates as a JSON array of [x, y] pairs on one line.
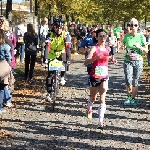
[[130, 40], [117, 32]]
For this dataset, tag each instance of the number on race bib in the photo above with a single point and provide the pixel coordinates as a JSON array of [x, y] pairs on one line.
[[101, 71], [56, 65]]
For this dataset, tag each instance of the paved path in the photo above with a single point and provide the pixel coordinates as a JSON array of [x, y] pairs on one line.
[[33, 126]]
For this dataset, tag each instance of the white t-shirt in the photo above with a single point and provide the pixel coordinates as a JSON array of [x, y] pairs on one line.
[[112, 40], [20, 30], [44, 30]]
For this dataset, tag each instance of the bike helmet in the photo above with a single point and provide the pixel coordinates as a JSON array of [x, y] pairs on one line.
[[58, 22]]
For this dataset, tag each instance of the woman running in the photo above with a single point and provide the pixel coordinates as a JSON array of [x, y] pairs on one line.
[[135, 45], [98, 56]]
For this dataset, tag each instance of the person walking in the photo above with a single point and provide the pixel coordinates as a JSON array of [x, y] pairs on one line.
[[19, 31]]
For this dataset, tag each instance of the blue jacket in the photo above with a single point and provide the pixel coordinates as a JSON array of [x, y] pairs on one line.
[[5, 52], [87, 41]]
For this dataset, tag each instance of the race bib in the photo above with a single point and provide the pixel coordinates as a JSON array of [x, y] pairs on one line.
[[101, 71], [56, 65], [131, 51], [133, 55]]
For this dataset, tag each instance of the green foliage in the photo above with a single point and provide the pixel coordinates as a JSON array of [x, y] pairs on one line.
[[97, 11]]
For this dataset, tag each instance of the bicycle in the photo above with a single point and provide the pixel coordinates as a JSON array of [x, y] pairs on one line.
[[55, 66]]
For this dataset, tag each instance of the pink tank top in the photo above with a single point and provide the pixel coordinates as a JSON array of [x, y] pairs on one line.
[[100, 65]]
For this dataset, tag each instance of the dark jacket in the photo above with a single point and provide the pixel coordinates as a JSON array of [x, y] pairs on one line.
[[30, 42]]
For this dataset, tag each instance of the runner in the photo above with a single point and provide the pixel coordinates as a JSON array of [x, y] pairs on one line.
[[117, 32], [135, 44], [43, 30], [112, 43], [98, 56]]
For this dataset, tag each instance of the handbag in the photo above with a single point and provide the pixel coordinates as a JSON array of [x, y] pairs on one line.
[[4, 69], [32, 47]]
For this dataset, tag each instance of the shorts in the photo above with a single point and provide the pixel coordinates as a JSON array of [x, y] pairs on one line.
[[96, 82], [132, 71], [112, 50]]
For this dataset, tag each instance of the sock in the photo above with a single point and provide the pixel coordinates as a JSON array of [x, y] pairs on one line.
[[90, 104], [101, 112]]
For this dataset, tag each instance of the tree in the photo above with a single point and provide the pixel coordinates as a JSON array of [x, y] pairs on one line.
[[97, 11]]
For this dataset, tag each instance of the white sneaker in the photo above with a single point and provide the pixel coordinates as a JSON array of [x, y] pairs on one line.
[[8, 104], [48, 97], [62, 81]]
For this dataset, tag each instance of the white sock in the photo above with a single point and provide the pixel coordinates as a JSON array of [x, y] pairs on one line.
[[101, 112], [90, 104]]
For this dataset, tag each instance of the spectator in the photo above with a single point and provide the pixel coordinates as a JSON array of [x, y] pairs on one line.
[[19, 31], [31, 42], [4, 81], [43, 31]]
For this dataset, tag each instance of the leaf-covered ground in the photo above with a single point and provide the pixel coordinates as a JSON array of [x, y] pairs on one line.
[[32, 124]]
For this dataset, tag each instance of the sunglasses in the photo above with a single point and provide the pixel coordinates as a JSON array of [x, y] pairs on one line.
[[133, 25]]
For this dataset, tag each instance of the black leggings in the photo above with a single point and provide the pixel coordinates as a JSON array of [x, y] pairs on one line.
[[29, 60]]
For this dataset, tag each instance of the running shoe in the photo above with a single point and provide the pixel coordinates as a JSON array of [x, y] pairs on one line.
[[89, 114], [133, 102], [128, 100], [9, 104], [100, 126]]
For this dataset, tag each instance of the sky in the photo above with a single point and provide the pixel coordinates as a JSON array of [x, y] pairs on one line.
[[14, 1]]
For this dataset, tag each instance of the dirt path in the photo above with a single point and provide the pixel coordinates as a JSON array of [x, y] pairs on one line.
[[32, 125]]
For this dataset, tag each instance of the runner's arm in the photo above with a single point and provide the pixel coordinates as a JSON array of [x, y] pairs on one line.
[[143, 48]]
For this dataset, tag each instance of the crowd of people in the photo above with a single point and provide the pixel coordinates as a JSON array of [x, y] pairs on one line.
[[15, 42], [98, 43], [135, 45]]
